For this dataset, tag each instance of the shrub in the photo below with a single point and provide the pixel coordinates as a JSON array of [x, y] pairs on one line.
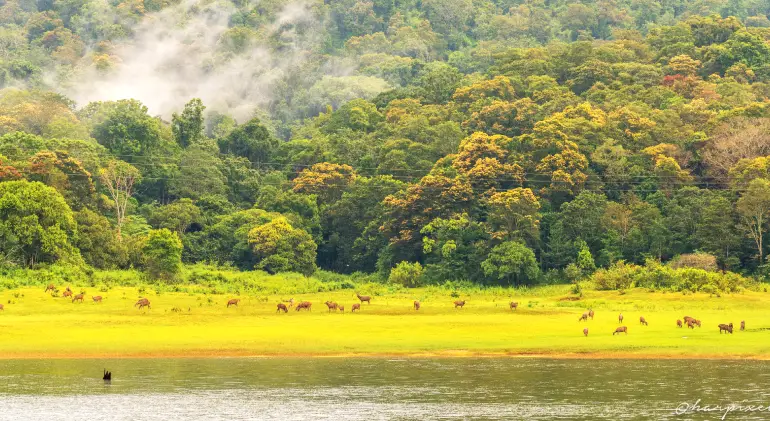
[[701, 261], [406, 274]]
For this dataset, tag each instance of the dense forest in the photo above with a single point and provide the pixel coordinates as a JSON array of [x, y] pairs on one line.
[[489, 141]]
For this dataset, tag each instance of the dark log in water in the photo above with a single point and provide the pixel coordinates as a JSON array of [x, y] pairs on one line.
[[107, 376]]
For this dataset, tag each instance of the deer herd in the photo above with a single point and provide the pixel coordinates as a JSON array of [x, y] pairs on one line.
[[332, 306]]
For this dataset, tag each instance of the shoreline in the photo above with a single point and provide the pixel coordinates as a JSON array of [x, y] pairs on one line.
[[413, 355]]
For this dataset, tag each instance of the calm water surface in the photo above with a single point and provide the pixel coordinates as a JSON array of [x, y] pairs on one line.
[[377, 389]]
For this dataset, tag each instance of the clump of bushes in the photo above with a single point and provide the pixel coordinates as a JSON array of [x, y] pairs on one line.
[[654, 275]]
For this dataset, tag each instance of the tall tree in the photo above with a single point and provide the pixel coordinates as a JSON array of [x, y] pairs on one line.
[[120, 178], [188, 127], [754, 209]]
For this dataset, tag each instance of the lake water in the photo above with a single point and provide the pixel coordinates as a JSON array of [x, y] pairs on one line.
[[365, 389]]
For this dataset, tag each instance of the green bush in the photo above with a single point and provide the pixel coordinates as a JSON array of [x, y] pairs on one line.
[[407, 274], [655, 276]]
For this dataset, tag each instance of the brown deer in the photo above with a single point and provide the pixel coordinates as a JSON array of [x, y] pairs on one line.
[[281, 306], [691, 324], [233, 302], [743, 325], [2, 308], [363, 298], [726, 328], [305, 304], [678, 323], [621, 329], [356, 306], [341, 308], [143, 302], [696, 323], [50, 287], [642, 321], [97, 298], [584, 317], [331, 305], [687, 319], [416, 305], [591, 313], [620, 318], [585, 331], [67, 294], [290, 301], [459, 303], [78, 297], [514, 305]]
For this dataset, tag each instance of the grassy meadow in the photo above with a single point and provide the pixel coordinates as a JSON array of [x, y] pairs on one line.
[[35, 324]]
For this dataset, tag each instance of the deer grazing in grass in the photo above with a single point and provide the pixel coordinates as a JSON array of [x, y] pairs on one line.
[[2, 308], [726, 328], [691, 324], [687, 319], [459, 303], [642, 321], [305, 304], [585, 331], [583, 318], [332, 305], [97, 298], [233, 302], [363, 298], [341, 309], [78, 297], [591, 313], [281, 306], [678, 323], [67, 294], [416, 305], [356, 306], [514, 305], [143, 302], [743, 325], [620, 318], [621, 329], [50, 287], [290, 301]]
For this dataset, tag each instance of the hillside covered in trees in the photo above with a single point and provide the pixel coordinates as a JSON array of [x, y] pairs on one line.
[[490, 141]]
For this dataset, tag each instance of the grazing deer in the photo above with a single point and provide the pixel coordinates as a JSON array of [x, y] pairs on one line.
[[696, 322], [78, 297], [642, 321], [678, 323], [233, 302], [2, 308], [67, 294], [341, 308], [97, 298], [585, 331], [459, 303], [290, 301], [363, 298], [621, 329], [331, 305], [50, 287], [584, 317], [514, 305], [620, 318], [743, 325], [281, 306], [356, 306], [691, 324], [305, 304], [416, 305], [687, 319], [143, 302], [591, 313], [726, 328]]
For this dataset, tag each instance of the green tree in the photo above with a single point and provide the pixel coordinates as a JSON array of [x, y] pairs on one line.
[[119, 178], [279, 247], [177, 216], [36, 224], [754, 209], [162, 255], [125, 128], [188, 127], [406, 274], [251, 141], [97, 241], [511, 263]]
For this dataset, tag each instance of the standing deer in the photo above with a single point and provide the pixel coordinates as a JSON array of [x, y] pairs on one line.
[[584, 317], [290, 301], [459, 303], [305, 304], [621, 329], [591, 313], [585, 331], [743, 325], [281, 306], [78, 297], [726, 328], [341, 308], [143, 302], [642, 321], [67, 294], [687, 319], [50, 287], [331, 305], [363, 298], [2, 308], [233, 302], [356, 306], [514, 305], [416, 305], [691, 324], [620, 318], [97, 298], [678, 323]]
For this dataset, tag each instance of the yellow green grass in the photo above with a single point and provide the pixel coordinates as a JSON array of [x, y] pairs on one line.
[[35, 324]]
